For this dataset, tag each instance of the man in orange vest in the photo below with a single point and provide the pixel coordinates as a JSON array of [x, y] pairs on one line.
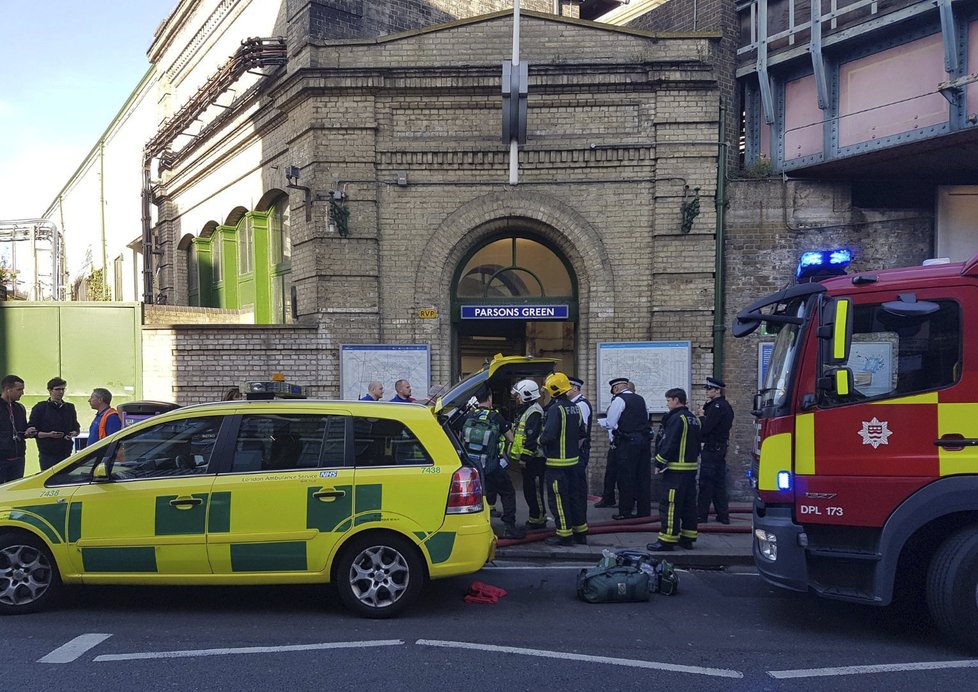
[[107, 419]]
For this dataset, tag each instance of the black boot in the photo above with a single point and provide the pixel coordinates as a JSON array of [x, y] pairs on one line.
[[580, 538], [510, 531], [659, 546], [686, 543], [559, 540]]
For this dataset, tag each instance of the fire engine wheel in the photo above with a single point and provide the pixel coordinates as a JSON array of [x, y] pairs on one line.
[[378, 576], [29, 578], [952, 588]]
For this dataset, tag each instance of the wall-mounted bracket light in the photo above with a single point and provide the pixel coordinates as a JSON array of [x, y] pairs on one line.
[[689, 209], [339, 213], [292, 178]]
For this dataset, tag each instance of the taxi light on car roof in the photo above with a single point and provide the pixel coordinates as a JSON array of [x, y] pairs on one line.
[[820, 263], [784, 480], [465, 493]]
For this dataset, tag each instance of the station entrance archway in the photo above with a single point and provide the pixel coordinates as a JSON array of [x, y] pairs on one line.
[[514, 295]]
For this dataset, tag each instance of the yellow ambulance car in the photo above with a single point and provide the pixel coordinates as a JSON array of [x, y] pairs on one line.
[[373, 497]]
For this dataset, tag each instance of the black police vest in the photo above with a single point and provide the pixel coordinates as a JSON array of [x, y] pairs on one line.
[[635, 417]]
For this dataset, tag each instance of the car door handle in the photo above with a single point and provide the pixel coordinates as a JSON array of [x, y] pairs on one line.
[[955, 442], [186, 502], [328, 495]]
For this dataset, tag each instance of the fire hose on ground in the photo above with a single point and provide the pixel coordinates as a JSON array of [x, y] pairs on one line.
[[647, 524]]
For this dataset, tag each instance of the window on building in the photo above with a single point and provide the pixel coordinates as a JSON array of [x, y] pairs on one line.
[[515, 267], [217, 258], [246, 245], [193, 276], [280, 258]]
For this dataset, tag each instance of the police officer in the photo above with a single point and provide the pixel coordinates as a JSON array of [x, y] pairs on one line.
[[677, 459], [578, 489], [716, 422], [526, 448], [563, 428], [628, 421]]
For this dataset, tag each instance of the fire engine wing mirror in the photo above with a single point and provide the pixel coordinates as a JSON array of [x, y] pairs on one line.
[[908, 306], [838, 381], [835, 331]]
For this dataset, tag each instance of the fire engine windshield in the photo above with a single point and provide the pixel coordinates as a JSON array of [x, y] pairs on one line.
[[783, 356]]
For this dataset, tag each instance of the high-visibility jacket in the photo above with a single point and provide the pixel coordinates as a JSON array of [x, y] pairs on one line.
[[527, 432]]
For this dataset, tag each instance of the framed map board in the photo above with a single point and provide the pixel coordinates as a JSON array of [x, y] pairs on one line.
[[654, 367], [360, 364]]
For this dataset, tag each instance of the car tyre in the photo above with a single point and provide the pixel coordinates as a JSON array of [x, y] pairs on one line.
[[952, 588], [378, 576], [29, 577]]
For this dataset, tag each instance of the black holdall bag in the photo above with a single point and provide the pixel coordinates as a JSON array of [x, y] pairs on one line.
[[611, 581]]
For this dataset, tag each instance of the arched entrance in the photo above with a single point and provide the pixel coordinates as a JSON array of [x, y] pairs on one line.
[[513, 295]]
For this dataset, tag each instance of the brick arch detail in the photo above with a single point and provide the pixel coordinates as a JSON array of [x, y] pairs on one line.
[[568, 232]]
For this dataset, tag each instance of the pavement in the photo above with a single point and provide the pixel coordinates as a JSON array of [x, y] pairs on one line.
[[718, 545]]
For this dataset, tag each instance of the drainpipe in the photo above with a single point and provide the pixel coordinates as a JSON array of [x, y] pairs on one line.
[[721, 206], [147, 234]]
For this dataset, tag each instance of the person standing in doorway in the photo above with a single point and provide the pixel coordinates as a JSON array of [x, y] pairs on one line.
[[56, 423], [715, 423], [13, 429], [107, 419], [402, 392], [375, 390]]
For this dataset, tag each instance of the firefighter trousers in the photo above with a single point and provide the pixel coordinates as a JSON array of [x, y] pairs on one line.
[[534, 490], [567, 516], [499, 483], [578, 490], [677, 506]]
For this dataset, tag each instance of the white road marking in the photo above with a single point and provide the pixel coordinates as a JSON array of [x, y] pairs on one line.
[[76, 647], [248, 650], [631, 663], [864, 670]]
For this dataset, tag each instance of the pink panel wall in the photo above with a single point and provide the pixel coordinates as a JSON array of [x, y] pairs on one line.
[[892, 92], [802, 119], [972, 89]]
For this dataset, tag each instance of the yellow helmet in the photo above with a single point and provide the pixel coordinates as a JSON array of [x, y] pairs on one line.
[[557, 383]]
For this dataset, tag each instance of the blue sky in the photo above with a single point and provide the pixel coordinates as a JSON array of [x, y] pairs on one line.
[[68, 68]]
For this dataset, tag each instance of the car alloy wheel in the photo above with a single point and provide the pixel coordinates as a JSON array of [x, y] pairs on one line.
[[380, 577], [28, 577]]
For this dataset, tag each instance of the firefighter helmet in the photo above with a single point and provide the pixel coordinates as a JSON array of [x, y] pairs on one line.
[[526, 391], [557, 384]]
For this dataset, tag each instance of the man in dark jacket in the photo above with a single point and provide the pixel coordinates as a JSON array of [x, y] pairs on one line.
[[677, 460], [716, 422], [56, 422], [13, 429]]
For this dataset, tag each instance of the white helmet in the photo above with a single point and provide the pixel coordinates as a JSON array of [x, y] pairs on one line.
[[527, 391]]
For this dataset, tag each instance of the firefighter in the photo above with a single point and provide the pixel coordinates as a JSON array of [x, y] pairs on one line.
[[716, 421], [579, 476], [526, 448], [563, 428], [677, 460]]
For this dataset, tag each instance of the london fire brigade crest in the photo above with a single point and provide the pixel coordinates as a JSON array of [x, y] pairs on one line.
[[875, 432]]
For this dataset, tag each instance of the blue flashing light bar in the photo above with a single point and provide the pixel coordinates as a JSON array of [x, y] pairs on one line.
[[820, 263]]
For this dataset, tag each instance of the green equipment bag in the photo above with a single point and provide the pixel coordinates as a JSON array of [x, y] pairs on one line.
[[610, 582]]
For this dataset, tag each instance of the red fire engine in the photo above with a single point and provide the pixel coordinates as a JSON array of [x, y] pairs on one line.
[[866, 471]]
